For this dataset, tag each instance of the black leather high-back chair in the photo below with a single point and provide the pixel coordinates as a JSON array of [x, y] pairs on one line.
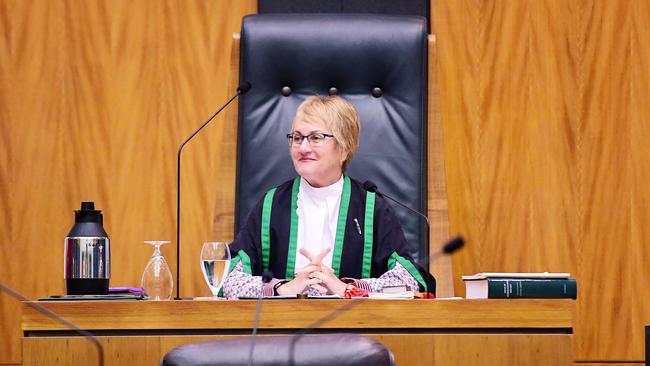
[[377, 62]]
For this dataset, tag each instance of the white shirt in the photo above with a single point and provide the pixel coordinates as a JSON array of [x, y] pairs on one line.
[[318, 213]]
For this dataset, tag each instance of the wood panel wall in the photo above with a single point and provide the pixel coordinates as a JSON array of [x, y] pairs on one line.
[[95, 97], [545, 122], [545, 112]]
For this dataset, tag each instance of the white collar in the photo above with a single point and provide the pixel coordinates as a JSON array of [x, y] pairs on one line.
[[333, 190]]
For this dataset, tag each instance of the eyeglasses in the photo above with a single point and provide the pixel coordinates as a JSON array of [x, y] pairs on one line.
[[315, 139]]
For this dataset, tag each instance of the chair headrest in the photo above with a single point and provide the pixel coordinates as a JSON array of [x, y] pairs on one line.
[[354, 53]]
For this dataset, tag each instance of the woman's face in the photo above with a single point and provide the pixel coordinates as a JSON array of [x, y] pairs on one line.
[[320, 165]]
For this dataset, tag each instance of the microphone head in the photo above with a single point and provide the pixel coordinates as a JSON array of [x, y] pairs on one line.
[[453, 245], [244, 88], [267, 276], [370, 186]]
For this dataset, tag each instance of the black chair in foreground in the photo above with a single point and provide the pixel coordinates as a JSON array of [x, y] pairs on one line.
[[308, 350]]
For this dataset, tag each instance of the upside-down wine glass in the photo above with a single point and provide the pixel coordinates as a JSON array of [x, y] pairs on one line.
[[157, 280]]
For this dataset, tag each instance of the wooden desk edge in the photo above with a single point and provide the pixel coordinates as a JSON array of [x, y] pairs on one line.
[[368, 314]]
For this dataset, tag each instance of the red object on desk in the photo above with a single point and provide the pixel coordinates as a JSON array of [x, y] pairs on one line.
[[353, 291]]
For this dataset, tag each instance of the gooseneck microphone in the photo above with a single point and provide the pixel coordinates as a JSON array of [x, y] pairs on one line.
[[241, 90], [372, 187], [47, 312], [267, 276]]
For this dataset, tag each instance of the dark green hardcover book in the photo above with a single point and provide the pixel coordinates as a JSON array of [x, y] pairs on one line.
[[521, 288]]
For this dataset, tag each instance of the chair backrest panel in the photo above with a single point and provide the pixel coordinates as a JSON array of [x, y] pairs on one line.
[[312, 53]]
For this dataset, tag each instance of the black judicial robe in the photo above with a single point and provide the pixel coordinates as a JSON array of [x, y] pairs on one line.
[[388, 241]]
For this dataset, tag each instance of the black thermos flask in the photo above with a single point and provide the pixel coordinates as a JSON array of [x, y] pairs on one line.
[[87, 257]]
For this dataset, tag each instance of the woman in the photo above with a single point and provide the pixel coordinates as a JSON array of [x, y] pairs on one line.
[[321, 233]]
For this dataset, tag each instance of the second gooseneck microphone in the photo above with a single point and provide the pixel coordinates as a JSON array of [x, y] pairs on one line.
[[372, 187], [241, 90]]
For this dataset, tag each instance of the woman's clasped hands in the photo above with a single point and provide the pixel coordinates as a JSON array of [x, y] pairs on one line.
[[315, 275]]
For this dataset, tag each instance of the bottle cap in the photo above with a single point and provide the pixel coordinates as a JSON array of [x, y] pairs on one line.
[[88, 213]]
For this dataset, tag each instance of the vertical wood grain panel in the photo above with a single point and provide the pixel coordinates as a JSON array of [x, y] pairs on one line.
[[479, 349], [141, 182], [33, 116], [608, 364], [203, 172], [606, 297], [554, 140], [432, 349], [545, 120], [79, 351], [224, 206], [456, 26], [546, 129], [96, 96], [640, 167], [438, 211], [7, 304], [504, 161]]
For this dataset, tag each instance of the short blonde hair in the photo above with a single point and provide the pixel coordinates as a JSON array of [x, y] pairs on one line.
[[339, 116]]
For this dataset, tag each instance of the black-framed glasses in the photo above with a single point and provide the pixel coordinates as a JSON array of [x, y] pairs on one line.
[[315, 139]]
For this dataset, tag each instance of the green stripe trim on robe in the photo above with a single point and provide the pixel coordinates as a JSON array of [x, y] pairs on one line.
[[368, 234], [293, 231], [266, 229], [340, 226]]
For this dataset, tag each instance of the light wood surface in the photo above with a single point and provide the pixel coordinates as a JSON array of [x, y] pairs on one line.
[[223, 224], [440, 332], [409, 349], [545, 125], [95, 97], [546, 128], [415, 314], [437, 190], [640, 363]]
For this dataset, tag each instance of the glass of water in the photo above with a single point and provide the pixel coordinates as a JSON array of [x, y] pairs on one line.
[[215, 263]]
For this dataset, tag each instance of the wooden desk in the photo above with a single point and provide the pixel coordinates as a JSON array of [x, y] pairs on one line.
[[419, 332]]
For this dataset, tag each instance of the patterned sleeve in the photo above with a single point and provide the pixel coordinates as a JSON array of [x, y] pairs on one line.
[[241, 284], [398, 276]]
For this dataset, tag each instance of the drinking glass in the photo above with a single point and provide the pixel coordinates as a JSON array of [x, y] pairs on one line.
[[215, 262], [157, 280]]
